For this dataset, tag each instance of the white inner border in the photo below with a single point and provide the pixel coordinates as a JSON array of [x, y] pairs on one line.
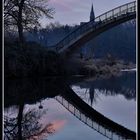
[[3, 69]]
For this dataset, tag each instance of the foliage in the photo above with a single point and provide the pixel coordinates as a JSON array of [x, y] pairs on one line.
[[32, 60], [119, 41]]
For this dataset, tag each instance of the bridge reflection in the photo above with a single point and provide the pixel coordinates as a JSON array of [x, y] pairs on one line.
[[74, 104], [87, 120]]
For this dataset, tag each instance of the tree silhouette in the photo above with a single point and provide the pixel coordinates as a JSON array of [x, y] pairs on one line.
[[25, 14]]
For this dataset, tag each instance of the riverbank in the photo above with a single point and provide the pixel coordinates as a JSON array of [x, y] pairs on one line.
[[98, 67], [36, 61], [31, 60]]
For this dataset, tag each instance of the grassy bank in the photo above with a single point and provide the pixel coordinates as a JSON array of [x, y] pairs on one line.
[[97, 66]]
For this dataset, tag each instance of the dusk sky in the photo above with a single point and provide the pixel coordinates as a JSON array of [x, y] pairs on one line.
[[76, 11]]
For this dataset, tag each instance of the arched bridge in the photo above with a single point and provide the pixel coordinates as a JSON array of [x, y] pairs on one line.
[[93, 28]]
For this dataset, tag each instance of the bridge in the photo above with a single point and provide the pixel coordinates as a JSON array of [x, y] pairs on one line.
[[95, 120], [89, 30]]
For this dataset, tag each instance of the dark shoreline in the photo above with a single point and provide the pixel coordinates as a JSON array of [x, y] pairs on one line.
[[36, 61]]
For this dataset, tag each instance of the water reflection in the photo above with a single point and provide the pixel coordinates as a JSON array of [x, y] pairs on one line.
[[30, 90], [123, 85], [114, 97], [27, 91], [25, 125]]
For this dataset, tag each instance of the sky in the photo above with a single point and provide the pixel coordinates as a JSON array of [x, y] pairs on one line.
[[75, 11]]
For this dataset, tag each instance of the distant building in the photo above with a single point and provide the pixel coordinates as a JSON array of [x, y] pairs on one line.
[[84, 50], [92, 16]]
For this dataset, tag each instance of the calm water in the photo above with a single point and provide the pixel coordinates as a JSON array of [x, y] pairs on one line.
[[43, 117]]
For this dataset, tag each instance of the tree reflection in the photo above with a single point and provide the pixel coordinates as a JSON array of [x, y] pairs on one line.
[[26, 126], [124, 85], [29, 90], [20, 92], [93, 95]]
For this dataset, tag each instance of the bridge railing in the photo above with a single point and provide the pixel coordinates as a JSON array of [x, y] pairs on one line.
[[99, 21], [100, 128], [118, 11]]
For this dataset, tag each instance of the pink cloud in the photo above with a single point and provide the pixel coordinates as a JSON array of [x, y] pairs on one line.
[[52, 128], [58, 124]]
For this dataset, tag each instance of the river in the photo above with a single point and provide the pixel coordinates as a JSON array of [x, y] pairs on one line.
[[44, 117]]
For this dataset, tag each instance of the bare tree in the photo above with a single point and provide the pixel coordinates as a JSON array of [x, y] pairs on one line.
[[25, 14]]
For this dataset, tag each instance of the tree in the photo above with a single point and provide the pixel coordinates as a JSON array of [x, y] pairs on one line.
[[25, 14], [53, 26]]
